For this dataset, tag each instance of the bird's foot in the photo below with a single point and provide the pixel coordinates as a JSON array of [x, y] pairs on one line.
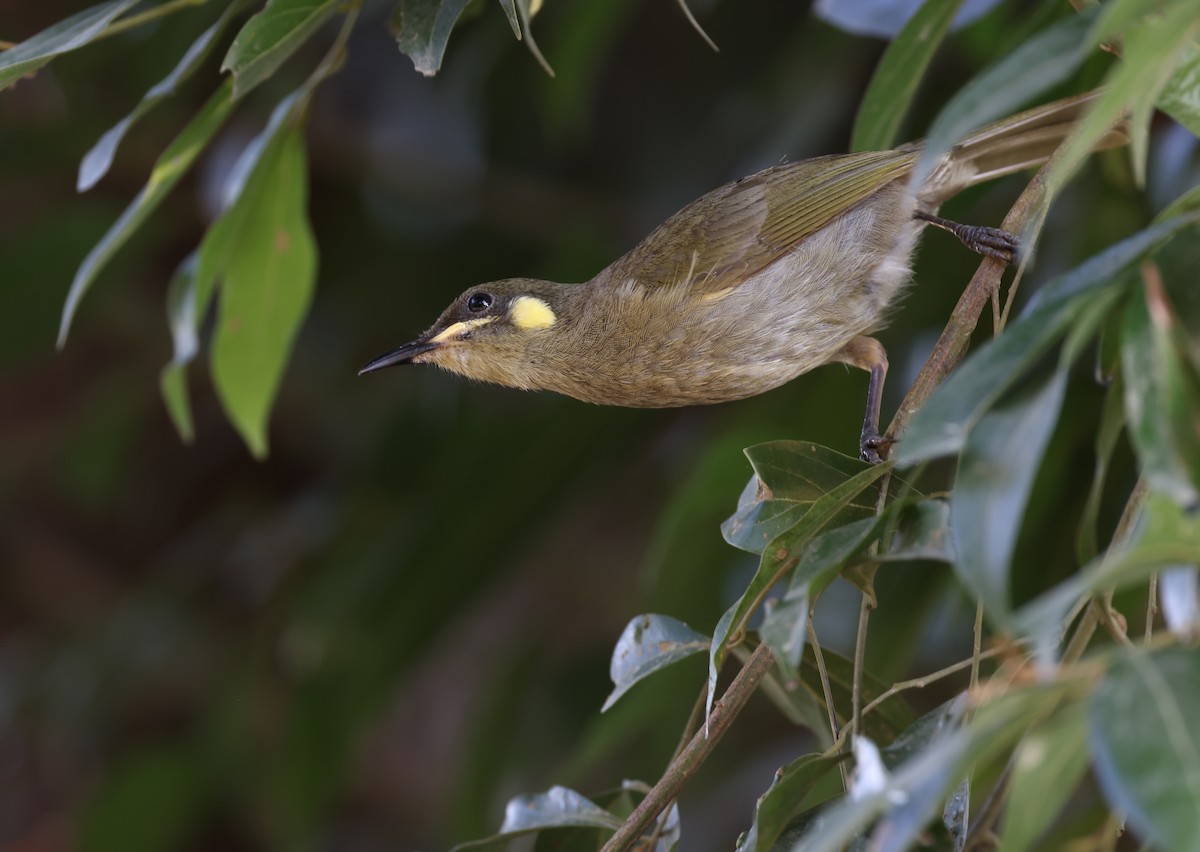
[[875, 448], [989, 242]]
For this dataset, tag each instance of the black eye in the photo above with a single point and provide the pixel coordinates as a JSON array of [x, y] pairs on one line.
[[479, 302]]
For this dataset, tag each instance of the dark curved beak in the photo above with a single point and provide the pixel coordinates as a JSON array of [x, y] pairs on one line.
[[403, 355]]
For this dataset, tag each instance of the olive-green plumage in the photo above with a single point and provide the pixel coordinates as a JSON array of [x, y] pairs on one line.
[[743, 289]]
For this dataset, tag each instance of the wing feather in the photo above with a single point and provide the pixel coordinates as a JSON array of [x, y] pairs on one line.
[[734, 231]]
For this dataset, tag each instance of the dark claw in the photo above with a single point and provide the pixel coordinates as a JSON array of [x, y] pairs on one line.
[[991, 242], [875, 448]]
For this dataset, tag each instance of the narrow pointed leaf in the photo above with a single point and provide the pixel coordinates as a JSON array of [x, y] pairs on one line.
[[898, 74], [918, 787], [169, 168], [268, 286], [789, 476], [1038, 64], [67, 35], [1180, 99], [1151, 49], [1112, 424], [995, 476], [785, 799], [1047, 767], [270, 37], [1145, 737], [183, 318], [558, 807], [941, 425], [422, 29], [650, 643], [1166, 437], [510, 12], [98, 159], [1166, 536], [782, 555]]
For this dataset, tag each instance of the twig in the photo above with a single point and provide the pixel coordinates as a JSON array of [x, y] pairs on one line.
[[827, 690], [683, 767], [1151, 605], [925, 680], [952, 344], [860, 654], [977, 645], [1082, 636]]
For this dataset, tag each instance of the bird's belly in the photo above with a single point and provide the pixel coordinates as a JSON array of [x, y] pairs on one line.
[[788, 318]]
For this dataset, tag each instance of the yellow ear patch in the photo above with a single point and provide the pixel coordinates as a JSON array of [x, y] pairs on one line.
[[530, 313]]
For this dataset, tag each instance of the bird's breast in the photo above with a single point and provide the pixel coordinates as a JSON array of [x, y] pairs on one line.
[[654, 344]]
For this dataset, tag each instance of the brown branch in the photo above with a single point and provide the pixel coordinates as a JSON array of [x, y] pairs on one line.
[[683, 767], [952, 345]]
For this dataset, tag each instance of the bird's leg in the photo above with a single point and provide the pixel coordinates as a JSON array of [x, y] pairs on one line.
[[868, 354], [990, 242]]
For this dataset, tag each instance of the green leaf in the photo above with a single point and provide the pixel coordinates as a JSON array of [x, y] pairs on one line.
[[558, 807], [1112, 424], [1166, 536], [1046, 769], [783, 553], [915, 792], [900, 70], [784, 626], [184, 313], [940, 427], [168, 169], [270, 37], [1180, 98], [922, 733], [995, 476], [923, 532], [1145, 736], [98, 159], [268, 286], [785, 799], [63, 37], [422, 28], [510, 12], [1151, 48], [802, 701], [650, 643], [1159, 398], [1038, 64], [789, 476]]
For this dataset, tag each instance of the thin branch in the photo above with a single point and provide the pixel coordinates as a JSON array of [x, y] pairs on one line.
[[925, 680], [952, 344], [976, 645], [683, 767], [827, 690], [860, 654], [1151, 605]]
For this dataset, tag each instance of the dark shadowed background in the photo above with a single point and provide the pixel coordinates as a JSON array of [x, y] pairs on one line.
[[404, 616]]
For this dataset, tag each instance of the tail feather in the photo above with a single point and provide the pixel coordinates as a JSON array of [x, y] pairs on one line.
[[1020, 142]]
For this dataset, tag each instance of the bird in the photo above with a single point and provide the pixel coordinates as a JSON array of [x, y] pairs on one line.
[[746, 288]]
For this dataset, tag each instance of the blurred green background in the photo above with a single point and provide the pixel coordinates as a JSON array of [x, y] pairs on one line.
[[404, 616]]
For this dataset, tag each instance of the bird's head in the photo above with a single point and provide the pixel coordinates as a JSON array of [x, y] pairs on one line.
[[498, 332]]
